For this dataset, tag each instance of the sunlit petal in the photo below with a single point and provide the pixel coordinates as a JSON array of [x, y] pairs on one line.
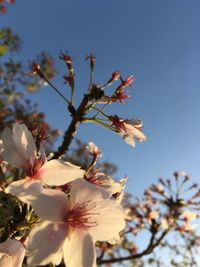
[[24, 141], [51, 205], [110, 220], [9, 151], [26, 189], [133, 134], [79, 250], [45, 243], [86, 192], [58, 172]]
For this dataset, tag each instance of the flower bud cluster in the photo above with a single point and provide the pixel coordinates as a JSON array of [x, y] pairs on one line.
[[55, 225], [97, 100], [170, 204]]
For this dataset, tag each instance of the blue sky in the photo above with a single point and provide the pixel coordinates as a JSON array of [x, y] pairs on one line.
[[157, 41]]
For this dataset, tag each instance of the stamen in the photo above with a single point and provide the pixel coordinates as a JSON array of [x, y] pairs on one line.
[[33, 166], [82, 215]]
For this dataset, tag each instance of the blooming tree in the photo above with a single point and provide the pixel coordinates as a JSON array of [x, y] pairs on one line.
[[63, 207]]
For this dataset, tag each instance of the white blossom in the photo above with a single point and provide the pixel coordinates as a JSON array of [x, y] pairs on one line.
[[129, 130], [18, 148], [71, 226]]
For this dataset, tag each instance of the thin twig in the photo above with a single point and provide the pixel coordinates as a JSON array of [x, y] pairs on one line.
[[57, 91], [146, 251]]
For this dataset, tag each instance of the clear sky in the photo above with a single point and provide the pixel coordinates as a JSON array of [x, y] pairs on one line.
[[158, 41]]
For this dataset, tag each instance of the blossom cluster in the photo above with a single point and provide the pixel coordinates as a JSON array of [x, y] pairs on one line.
[[168, 215], [66, 208], [169, 204], [66, 224], [57, 209], [97, 99]]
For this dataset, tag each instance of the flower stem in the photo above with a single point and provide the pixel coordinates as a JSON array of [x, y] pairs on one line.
[[57, 91], [101, 112], [98, 122], [104, 106]]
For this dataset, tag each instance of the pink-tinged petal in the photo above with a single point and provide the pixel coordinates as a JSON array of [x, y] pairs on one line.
[[133, 134], [9, 151], [84, 192], [79, 250], [45, 243], [26, 189], [51, 205], [12, 253], [24, 141], [129, 140], [58, 172], [109, 218]]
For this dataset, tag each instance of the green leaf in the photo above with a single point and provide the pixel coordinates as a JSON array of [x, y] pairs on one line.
[[3, 49]]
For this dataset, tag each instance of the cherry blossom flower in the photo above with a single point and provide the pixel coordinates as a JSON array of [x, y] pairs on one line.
[[187, 227], [71, 226], [18, 148], [12, 253], [189, 215], [130, 130]]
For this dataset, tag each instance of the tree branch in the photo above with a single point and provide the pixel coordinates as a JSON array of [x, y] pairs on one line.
[[146, 251], [71, 131]]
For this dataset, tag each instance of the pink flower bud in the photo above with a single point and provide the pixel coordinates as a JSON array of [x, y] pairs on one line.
[[116, 76], [128, 82]]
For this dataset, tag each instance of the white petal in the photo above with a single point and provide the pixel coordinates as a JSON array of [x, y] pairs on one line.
[[45, 243], [108, 217], [24, 141], [10, 152], [133, 133], [12, 253], [139, 135], [110, 220], [130, 140], [83, 192], [79, 250], [58, 172], [58, 258], [51, 205], [26, 189]]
